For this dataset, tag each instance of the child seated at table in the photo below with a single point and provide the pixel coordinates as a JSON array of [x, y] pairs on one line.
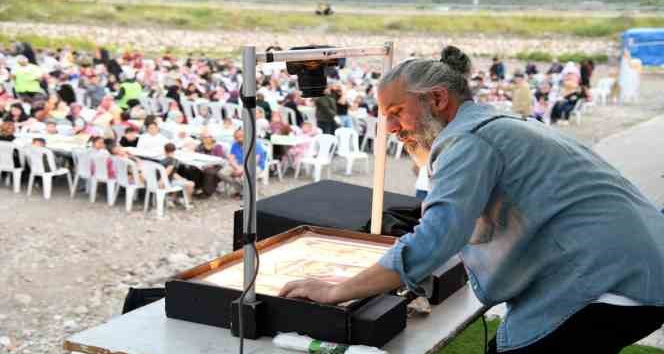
[[130, 139], [263, 130], [226, 172], [7, 130], [297, 152], [102, 147], [152, 140], [39, 142], [51, 128], [237, 154], [183, 141], [228, 127], [120, 151], [277, 126], [205, 117], [172, 164]]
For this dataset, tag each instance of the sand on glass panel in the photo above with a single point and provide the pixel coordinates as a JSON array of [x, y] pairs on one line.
[[310, 255]]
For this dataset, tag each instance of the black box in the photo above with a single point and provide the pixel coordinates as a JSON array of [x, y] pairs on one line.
[[447, 280], [372, 321]]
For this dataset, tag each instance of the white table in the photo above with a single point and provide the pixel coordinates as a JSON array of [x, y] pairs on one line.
[[59, 144], [186, 157], [148, 331], [288, 140]]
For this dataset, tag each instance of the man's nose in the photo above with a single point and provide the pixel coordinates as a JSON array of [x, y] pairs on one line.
[[393, 126]]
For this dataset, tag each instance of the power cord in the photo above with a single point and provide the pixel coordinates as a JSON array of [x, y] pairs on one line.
[[252, 241], [486, 335]]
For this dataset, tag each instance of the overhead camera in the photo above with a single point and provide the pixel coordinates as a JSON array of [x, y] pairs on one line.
[[311, 74]]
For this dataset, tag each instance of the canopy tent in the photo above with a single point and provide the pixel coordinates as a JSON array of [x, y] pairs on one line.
[[646, 44]]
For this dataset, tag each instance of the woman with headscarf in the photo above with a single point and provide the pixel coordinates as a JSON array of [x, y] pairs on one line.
[[25, 49], [16, 114], [112, 67], [571, 93], [290, 102]]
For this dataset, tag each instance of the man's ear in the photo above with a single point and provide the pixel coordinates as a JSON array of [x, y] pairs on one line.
[[440, 98]]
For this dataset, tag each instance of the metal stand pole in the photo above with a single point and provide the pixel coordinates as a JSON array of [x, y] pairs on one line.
[[245, 309], [380, 152], [248, 195], [245, 312]]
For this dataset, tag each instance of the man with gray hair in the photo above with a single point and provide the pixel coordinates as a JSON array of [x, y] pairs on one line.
[[540, 221]]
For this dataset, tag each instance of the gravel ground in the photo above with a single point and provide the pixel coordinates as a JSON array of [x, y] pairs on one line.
[[66, 264]]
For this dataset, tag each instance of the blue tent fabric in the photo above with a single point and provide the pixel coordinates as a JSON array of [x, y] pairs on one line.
[[646, 44]]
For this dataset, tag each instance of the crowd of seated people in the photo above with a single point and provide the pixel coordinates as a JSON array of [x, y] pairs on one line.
[[549, 96], [107, 101]]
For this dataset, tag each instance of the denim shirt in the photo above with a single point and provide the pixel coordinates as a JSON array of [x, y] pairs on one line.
[[540, 221]]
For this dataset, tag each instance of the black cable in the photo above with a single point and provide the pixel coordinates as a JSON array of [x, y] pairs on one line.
[[486, 336], [250, 186]]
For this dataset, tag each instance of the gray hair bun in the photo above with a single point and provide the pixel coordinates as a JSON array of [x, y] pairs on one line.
[[456, 59]]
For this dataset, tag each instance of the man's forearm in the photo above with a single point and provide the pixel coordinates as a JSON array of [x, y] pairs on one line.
[[371, 281]]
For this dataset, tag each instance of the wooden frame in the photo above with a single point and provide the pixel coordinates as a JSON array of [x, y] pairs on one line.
[[373, 321]]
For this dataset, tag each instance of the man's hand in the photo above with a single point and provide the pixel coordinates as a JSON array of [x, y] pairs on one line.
[[312, 289], [371, 281]]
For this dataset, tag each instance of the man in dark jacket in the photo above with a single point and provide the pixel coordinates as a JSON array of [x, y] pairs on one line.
[[260, 102], [326, 109]]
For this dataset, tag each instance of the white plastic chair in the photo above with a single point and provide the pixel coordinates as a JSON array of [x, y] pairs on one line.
[[155, 106], [157, 184], [216, 110], [577, 111], [82, 167], [101, 175], [88, 114], [309, 114], [259, 110], [42, 160], [288, 115], [146, 104], [393, 141], [124, 168], [370, 132], [602, 91], [232, 110], [7, 164], [119, 131], [270, 161], [237, 123], [348, 147], [64, 129], [320, 155], [80, 96], [164, 103], [189, 108]]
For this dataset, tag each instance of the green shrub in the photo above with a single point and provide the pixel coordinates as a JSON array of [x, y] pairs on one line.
[[563, 57], [534, 56], [578, 57]]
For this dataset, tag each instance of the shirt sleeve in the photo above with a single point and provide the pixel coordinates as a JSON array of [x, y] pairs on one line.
[[465, 169]]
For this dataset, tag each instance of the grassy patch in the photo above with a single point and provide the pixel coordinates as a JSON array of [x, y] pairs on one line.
[[471, 341], [563, 57], [48, 42], [218, 16], [84, 45]]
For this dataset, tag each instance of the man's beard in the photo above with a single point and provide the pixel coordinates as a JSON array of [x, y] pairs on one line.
[[427, 129]]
